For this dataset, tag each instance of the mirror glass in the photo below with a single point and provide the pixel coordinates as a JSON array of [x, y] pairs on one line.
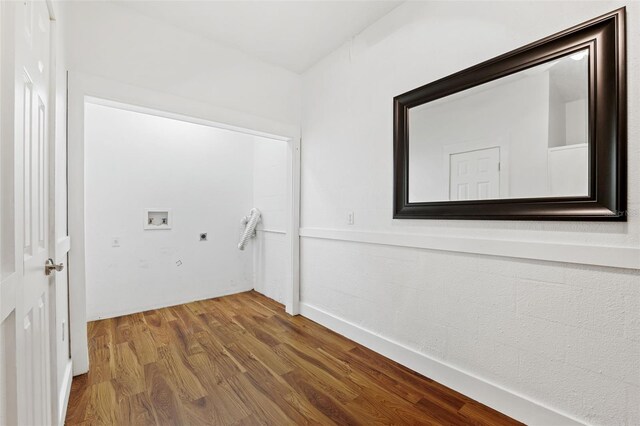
[[521, 136]]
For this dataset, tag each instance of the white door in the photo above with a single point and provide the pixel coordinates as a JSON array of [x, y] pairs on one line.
[[25, 363], [475, 175]]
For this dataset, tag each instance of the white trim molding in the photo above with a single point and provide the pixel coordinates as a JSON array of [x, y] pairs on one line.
[[271, 231], [180, 117], [63, 401], [510, 403], [292, 292], [617, 257]]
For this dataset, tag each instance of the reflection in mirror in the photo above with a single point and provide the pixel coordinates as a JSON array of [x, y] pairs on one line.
[[521, 136]]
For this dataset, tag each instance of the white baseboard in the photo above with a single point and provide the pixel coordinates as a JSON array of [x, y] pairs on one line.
[[63, 398], [507, 402], [173, 302]]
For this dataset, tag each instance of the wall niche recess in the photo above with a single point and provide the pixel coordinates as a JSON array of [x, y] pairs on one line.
[[157, 219]]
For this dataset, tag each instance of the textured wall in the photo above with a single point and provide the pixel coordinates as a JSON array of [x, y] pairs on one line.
[[565, 335], [270, 196]]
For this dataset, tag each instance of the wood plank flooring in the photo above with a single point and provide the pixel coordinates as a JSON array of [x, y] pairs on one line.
[[241, 360]]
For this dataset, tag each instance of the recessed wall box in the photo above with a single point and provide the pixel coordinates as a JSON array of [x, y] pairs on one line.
[[157, 219]]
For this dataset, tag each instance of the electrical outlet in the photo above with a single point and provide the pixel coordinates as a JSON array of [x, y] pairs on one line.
[[115, 242], [350, 218]]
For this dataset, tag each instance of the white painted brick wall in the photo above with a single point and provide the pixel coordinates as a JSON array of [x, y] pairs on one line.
[[561, 334]]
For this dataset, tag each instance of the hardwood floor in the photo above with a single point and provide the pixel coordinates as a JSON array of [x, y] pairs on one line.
[[241, 360]]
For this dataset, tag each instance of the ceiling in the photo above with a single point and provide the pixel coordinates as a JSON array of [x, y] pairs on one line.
[[291, 34]]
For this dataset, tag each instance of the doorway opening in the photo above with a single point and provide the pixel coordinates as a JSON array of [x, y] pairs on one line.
[[164, 199]]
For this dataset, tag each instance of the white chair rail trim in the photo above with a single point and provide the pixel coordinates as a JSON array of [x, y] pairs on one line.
[[611, 256]]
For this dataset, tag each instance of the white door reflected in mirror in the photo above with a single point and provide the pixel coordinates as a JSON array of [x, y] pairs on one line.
[[475, 175], [521, 136]]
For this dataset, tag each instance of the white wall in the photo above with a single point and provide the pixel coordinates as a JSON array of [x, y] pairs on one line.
[[203, 174], [117, 43], [270, 196], [564, 335]]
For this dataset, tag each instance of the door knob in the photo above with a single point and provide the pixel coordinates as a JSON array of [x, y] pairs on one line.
[[50, 267]]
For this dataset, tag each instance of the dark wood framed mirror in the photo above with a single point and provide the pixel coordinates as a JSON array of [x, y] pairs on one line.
[[538, 133]]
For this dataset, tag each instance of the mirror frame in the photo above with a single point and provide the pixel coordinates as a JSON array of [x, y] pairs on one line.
[[607, 127]]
